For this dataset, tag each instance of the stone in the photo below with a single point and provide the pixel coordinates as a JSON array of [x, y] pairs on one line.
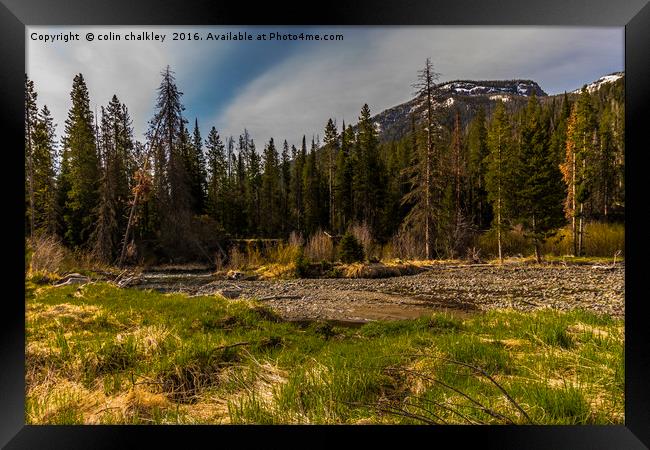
[[229, 293]]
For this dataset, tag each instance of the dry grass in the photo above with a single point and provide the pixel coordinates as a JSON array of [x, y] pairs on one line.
[[47, 254], [377, 270], [320, 248]]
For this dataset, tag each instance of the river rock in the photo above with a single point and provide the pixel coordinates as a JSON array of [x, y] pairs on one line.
[[229, 293], [73, 278]]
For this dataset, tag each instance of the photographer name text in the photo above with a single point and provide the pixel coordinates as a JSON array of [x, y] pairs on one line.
[[149, 36]]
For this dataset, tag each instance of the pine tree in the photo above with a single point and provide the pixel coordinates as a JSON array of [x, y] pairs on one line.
[[331, 141], [458, 174], [478, 150], [217, 168], [197, 171], [311, 192], [297, 185], [31, 111], [43, 173], [343, 194], [81, 168], [254, 188], [240, 203], [271, 191], [368, 181], [540, 181], [168, 138], [603, 172], [285, 170], [499, 175], [116, 150], [427, 174]]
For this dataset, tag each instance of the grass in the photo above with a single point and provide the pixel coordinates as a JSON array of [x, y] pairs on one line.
[[600, 240], [99, 354]]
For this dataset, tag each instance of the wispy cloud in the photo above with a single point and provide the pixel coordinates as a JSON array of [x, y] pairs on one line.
[[288, 89]]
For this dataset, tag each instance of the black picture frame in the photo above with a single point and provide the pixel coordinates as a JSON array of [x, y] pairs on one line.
[[634, 15]]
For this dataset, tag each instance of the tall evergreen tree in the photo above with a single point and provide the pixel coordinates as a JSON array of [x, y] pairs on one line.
[[297, 185], [500, 173], [540, 181], [285, 170], [169, 139], [478, 150], [81, 168], [116, 151], [368, 181], [311, 192], [197, 171], [43, 173], [254, 188], [31, 112], [331, 141], [217, 168], [271, 191], [427, 173]]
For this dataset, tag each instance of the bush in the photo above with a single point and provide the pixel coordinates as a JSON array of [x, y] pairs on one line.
[[601, 239], [350, 249], [364, 236], [319, 247], [46, 254], [302, 265]]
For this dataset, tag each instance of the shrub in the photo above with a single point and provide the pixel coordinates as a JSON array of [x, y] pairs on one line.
[[47, 254], [302, 266], [364, 236], [601, 239], [350, 249], [319, 248]]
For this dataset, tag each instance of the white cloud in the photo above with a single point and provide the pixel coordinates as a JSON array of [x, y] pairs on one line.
[[130, 70], [296, 96], [299, 95]]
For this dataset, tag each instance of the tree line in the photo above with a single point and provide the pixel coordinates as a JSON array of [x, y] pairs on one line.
[[179, 194]]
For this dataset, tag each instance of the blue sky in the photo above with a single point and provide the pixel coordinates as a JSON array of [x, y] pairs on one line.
[[284, 89]]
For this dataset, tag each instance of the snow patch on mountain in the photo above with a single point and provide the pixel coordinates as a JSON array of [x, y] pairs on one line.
[[473, 88], [591, 87]]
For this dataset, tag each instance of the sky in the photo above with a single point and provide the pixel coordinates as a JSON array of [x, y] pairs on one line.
[[286, 88]]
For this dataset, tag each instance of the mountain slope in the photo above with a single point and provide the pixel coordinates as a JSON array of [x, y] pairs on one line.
[[466, 97]]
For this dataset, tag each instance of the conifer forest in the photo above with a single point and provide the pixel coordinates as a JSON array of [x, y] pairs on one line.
[[450, 174]]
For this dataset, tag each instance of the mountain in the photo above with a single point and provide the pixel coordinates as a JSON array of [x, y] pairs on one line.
[[611, 78], [466, 97]]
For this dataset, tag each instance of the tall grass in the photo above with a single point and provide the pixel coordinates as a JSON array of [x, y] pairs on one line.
[[320, 248], [600, 240], [46, 257], [108, 355]]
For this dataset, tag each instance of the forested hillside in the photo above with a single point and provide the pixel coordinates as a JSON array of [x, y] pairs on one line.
[[427, 178]]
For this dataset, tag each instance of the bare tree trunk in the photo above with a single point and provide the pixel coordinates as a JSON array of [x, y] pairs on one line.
[[538, 254], [499, 224], [499, 204], [136, 198], [573, 205], [330, 188], [30, 164], [428, 170], [580, 231]]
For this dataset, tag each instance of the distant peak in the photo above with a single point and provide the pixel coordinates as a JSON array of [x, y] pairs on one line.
[[594, 86], [491, 87]]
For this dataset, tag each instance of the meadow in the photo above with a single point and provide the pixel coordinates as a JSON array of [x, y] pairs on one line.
[[99, 354]]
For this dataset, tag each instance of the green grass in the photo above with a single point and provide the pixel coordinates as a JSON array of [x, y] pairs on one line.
[[99, 354]]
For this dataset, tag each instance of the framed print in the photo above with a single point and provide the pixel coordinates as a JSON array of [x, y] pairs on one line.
[[403, 220]]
